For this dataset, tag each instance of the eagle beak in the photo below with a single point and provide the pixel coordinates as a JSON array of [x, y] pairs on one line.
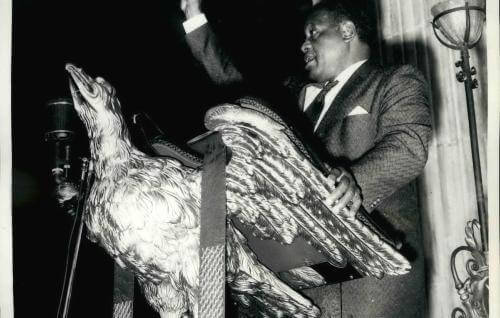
[[75, 93], [84, 82], [78, 81]]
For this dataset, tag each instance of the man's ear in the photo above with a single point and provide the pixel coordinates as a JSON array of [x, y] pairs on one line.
[[348, 30]]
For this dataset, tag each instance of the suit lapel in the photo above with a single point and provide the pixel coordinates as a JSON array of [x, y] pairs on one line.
[[342, 104]]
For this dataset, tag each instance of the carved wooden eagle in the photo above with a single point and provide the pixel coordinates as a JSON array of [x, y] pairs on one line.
[[145, 211]]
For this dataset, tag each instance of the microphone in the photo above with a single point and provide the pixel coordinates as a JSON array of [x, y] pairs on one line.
[[60, 131]]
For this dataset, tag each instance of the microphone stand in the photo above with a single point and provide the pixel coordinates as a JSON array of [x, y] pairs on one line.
[[85, 185]]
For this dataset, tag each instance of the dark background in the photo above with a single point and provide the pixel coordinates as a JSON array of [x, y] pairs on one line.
[[141, 51]]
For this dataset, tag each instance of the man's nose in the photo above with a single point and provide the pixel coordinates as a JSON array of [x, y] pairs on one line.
[[305, 46]]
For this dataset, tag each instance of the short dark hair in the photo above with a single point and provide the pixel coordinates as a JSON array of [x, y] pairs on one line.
[[360, 12]]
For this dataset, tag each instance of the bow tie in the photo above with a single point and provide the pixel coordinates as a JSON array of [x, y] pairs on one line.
[[324, 85]]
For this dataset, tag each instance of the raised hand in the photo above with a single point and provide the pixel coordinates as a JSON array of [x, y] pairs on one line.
[[191, 8]]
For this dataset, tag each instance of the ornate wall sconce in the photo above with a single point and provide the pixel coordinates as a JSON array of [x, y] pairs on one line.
[[458, 25]]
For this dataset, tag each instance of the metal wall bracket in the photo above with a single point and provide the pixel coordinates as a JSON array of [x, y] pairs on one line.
[[474, 289]]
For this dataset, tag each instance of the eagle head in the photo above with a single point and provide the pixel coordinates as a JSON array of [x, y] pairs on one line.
[[95, 102]]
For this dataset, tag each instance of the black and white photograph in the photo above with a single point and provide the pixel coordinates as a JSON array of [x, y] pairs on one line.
[[249, 158]]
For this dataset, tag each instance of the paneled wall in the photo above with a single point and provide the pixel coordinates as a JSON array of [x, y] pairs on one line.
[[447, 193]]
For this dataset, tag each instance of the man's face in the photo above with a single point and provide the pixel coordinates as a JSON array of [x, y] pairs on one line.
[[325, 52]]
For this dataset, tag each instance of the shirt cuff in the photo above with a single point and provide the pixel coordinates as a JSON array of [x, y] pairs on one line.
[[194, 23]]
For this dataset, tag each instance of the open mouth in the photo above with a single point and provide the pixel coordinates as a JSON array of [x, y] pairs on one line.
[[81, 80], [309, 57], [75, 92], [80, 85]]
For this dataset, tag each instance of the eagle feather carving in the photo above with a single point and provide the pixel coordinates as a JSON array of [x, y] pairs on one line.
[[144, 211]]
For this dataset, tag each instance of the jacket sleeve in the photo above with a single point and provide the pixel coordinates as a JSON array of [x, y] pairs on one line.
[[404, 131], [206, 50]]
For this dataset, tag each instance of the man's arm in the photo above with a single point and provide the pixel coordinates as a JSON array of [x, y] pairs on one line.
[[206, 49], [400, 154]]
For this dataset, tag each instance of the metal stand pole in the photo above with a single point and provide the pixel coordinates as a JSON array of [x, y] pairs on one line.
[[470, 84], [84, 188]]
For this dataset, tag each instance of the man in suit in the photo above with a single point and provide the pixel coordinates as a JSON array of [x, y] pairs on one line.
[[375, 120]]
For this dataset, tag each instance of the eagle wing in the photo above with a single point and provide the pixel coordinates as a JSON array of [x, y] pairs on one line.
[[273, 186]]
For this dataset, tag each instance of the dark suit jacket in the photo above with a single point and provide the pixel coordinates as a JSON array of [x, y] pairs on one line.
[[385, 149]]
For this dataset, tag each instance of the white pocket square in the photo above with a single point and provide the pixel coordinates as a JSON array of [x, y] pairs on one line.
[[358, 110]]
